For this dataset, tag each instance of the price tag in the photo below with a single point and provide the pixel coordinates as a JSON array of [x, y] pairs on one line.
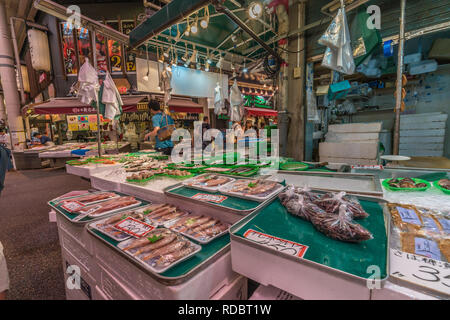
[[284, 246], [209, 197], [409, 216], [134, 227], [72, 206], [422, 271]]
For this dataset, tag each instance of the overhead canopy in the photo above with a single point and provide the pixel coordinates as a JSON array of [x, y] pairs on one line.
[[73, 106], [184, 105], [163, 19], [260, 112], [223, 37]]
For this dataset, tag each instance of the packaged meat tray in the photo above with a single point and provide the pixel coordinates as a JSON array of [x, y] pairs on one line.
[[208, 182], [160, 250], [107, 225], [200, 228], [257, 190], [161, 214]]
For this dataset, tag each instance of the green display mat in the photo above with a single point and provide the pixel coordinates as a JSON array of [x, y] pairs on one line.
[[183, 268], [72, 216], [231, 202], [352, 258]]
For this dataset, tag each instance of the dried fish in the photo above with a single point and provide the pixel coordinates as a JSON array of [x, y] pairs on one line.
[[165, 240], [340, 227], [167, 259], [331, 202], [172, 247]]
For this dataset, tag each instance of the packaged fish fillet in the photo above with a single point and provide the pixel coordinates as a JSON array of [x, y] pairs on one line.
[[163, 214], [160, 250], [257, 190], [108, 207], [106, 226], [201, 228], [208, 182]]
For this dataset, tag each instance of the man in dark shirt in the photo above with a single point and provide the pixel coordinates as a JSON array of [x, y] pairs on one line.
[[42, 138]]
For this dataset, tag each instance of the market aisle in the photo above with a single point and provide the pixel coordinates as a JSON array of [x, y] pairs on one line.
[[31, 242]]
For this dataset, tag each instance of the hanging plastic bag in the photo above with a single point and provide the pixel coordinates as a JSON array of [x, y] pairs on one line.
[[111, 99], [219, 102], [311, 99], [89, 85], [332, 36], [339, 56], [236, 103]]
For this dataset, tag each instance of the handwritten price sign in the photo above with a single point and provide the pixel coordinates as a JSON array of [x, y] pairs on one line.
[[209, 197], [72, 206], [134, 227], [284, 246], [423, 271]]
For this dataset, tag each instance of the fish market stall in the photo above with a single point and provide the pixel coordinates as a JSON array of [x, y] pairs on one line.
[[176, 251], [303, 240]]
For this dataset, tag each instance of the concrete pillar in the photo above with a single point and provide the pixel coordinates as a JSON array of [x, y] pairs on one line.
[[9, 83]]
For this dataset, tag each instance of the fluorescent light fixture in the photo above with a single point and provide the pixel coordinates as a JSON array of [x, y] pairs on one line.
[[255, 10]]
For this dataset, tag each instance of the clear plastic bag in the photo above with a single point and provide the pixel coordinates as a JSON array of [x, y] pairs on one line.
[[302, 207], [332, 36], [331, 202], [338, 55], [340, 227]]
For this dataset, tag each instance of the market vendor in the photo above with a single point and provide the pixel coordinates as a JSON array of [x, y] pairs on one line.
[[159, 120], [40, 139]]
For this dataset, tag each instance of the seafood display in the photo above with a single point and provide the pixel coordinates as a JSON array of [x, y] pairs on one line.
[[419, 221], [217, 169], [162, 214], [340, 226], [143, 164], [331, 214], [94, 198], [406, 183], [444, 183], [109, 206], [160, 249], [331, 202], [199, 227], [258, 190], [242, 171], [106, 226], [146, 175], [210, 182]]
